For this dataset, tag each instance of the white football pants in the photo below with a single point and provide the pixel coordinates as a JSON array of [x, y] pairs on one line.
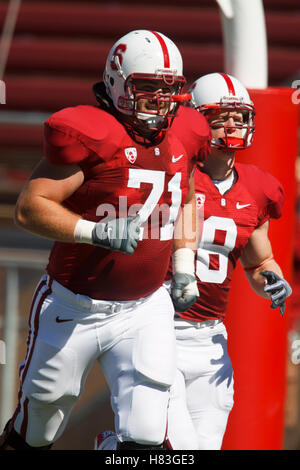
[[134, 343], [202, 395]]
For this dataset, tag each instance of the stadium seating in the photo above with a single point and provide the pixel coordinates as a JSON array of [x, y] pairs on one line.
[[59, 48]]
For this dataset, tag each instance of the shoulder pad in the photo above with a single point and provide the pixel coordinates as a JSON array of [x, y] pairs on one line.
[[72, 133], [265, 189], [193, 131]]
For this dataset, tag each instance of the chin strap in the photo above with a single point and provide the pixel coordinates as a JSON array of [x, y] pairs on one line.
[[102, 97]]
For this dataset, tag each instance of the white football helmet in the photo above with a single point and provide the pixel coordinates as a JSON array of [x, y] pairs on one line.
[[145, 55], [218, 92]]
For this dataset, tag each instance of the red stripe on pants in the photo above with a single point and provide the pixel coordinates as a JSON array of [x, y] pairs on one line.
[[24, 368]]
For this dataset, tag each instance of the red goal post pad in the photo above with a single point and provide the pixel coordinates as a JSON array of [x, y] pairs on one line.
[[257, 335]]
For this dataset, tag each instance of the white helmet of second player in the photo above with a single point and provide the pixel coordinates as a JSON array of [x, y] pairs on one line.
[[144, 55], [217, 92]]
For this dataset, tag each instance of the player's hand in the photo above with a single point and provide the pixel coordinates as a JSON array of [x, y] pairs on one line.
[[278, 289], [184, 291], [118, 234]]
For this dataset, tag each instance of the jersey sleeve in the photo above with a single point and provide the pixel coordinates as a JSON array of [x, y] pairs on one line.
[[274, 199], [193, 131], [73, 134], [204, 135], [61, 145]]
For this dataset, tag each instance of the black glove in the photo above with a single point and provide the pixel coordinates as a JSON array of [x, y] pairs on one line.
[[184, 291], [118, 234], [278, 289]]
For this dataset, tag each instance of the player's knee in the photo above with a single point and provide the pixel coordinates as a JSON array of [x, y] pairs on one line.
[[211, 442], [52, 374], [147, 429], [38, 442], [148, 433], [210, 431], [45, 422], [148, 426]]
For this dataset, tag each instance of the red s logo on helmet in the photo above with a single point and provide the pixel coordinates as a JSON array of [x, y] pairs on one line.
[[119, 50]]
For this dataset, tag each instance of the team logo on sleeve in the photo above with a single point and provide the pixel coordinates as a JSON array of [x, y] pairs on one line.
[[200, 200], [131, 154]]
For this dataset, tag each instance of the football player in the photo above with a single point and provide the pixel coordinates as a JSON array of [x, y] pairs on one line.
[[108, 192], [236, 202]]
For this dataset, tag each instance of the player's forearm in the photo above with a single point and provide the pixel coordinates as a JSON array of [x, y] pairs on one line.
[[184, 290], [46, 218], [50, 219], [257, 281], [185, 235], [186, 229]]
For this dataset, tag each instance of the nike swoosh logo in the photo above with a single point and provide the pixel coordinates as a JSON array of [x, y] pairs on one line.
[[175, 159], [241, 206], [61, 320]]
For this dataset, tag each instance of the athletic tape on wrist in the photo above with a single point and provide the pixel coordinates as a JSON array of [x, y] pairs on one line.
[[83, 231], [183, 261]]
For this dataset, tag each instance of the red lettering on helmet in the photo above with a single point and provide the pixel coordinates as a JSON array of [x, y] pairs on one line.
[[119, 50]]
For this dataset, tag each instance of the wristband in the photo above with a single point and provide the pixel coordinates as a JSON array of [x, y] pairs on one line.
[[83, 231], [183, 261]]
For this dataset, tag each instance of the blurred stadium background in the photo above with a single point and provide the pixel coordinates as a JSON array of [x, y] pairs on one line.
[[58, 51]]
